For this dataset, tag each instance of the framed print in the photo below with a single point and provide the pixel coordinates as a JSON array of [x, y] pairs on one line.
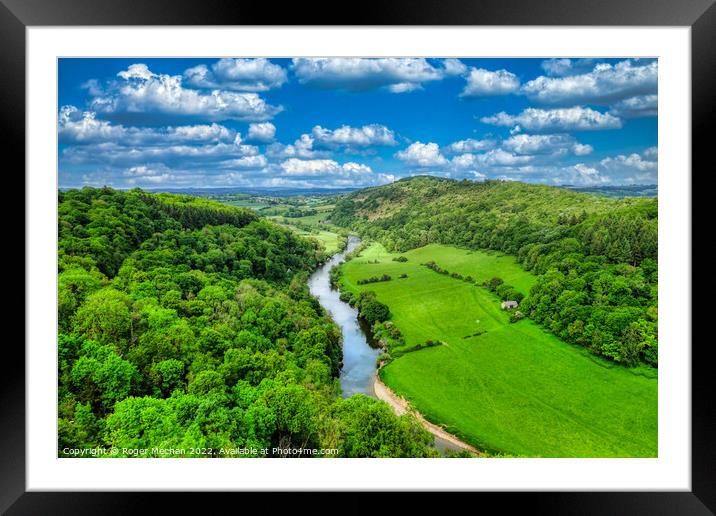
[[430, 250]]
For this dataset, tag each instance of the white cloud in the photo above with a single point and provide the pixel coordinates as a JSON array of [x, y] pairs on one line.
[[74, 126], [633, 107], [404, 87], [202, 133], [454, 66], [184, 155], [249, 162], [463, 161], [136, 71], [581, 174], [605, 84], [632, 161], [495, 158], [545, 144], [310, 167], [500, 157], [651, 153], [481, 82], [557, 66], [322, 167], [422, 155], [346, 136], [263, 132], [561, 66], [469, 145], [301, 148], [144, 92], [356, 168], [149, 169], [561, 119], [400, 75], [238, 75]]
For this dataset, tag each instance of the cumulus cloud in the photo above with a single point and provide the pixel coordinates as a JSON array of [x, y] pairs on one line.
[[556, 66], [301, 148], [633, 107], [632, 161], [149, 169], [238, 75], [454, 66], [501, 157], [463, 161], [562, 66], [404, 87], [140, 91], [184, 155], [249, 162], [263, 132], [651, 153], [422, 155], [546, 144], [633, 168], [605, 84], [346, 136], [75, 126], [481, 82], [560, 119], [320, 172], [316, 167], [584, 175], [83, 127], [469, 145], [398, 75]]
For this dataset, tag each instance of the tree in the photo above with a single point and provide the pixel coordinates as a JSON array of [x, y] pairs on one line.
[[368, 428], [374, 311], [105, 317], [101, 377]]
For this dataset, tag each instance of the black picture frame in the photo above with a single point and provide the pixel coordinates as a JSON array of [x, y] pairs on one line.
[[700, 15]]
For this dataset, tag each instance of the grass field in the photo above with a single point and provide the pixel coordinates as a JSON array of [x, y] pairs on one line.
[[313, 226], [332, 242], [514, 388]]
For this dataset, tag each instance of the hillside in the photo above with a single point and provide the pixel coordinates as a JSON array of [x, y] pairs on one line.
[[595, 257], [186, 328]]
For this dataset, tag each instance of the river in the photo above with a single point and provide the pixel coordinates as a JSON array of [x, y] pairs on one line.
[[359, 358]]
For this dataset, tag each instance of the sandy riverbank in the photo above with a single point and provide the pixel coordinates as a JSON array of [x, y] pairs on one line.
[[400, 406]]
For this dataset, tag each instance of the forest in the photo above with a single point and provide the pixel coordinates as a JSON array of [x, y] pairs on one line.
[[187, 324], [595, 258]]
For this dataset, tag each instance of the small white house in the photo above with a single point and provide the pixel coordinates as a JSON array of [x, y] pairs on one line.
[[508, 305]]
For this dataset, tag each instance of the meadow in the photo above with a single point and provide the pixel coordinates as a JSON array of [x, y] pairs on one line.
[[314, 226], [331, 242], [505, 387]]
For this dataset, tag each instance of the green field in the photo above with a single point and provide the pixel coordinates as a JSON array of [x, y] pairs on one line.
[[514, 388], [313, 226], [332, 242]]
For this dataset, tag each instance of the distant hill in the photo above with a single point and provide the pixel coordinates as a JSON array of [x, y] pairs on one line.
[[618, 190], [500, 215]]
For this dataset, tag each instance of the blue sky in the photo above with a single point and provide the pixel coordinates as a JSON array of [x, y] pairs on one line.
[[354, 122]]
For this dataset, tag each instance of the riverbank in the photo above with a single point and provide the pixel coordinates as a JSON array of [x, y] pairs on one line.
[[400, 406]]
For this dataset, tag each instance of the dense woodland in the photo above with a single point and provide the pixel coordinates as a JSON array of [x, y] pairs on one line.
[[595, 257], [185, 323]]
